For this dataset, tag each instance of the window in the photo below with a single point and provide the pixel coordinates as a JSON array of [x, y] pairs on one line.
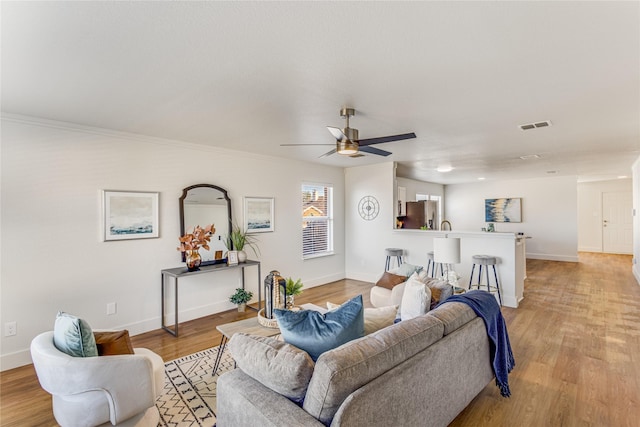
[[317, 220]]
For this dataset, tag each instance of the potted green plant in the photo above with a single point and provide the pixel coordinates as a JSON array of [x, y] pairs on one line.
[[241, 298], [238, 239], [292, 288]]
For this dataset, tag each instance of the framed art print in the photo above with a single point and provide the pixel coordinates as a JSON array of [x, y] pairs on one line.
[[130, 215], [503, 210], [258, 214], [232, 257]]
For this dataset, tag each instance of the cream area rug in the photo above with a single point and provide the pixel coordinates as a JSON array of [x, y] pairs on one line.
[[189, 395]]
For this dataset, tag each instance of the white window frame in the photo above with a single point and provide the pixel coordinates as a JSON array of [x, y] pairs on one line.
[[328, 218]]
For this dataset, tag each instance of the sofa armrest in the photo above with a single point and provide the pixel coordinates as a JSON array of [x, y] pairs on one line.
[[243, 401]]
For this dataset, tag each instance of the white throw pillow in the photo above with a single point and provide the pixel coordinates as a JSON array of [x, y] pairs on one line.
[[416, 299], [374, 318]]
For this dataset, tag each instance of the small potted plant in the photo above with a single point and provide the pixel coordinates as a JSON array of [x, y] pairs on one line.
[[238, 239], [293, 288], [241, 298]]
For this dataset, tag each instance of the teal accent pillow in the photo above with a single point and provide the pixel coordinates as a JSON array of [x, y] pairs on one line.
[[74, 336], [406, 269], [316, 333]]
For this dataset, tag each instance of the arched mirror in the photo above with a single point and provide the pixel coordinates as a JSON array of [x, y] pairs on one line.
[[205, 204]]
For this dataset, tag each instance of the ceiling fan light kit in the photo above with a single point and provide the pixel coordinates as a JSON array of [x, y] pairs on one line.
[[347, 147]]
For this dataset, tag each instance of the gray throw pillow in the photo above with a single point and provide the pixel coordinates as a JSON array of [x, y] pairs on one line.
[[74, 336], [279, 366]]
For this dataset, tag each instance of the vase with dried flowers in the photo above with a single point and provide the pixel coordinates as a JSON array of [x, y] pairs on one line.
[[191, 242]]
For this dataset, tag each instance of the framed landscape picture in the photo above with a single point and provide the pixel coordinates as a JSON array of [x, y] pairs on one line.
[[258, 214], [130, 215], [503, 210]]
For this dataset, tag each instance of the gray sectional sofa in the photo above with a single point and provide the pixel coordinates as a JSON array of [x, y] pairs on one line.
[[419, 372]]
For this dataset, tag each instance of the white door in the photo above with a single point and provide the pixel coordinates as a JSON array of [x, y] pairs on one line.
[[617, 218]]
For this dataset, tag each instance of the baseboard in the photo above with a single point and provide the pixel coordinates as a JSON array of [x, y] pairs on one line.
[[15, 360], [589, 249], [636, 273], [550, 257], [365, 277]]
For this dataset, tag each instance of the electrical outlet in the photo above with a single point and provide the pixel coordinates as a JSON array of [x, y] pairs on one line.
[[10, 329], [112, 308]]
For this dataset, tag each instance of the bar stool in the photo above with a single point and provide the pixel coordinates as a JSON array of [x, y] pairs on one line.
[[393, 252], [433, 266], [485, 261]]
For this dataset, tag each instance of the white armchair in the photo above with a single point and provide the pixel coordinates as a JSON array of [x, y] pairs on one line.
[[99, 391]]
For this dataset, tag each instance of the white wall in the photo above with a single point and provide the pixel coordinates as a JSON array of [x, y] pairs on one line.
[[590, 211], [549, 212], [52, 254]]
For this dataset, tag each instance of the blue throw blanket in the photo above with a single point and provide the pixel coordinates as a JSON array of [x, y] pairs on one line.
[[485, 306]]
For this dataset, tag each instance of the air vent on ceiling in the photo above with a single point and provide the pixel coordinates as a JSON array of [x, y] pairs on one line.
[[536, 125], [530, 157]]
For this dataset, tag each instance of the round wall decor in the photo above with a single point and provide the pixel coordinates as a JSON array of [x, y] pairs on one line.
[[368, 208]]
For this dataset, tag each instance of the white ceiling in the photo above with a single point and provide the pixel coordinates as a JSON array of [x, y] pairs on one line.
[[253, 75]]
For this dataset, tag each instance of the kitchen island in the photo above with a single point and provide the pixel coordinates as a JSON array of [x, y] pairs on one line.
[[508, 248]]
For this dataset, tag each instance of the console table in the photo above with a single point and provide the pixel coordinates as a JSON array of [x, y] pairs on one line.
[[179, 272]]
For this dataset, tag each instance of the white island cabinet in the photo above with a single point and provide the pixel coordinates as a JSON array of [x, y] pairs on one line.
[[508, 248]]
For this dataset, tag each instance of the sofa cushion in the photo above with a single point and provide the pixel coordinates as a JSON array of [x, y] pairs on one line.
[[73, 336], [406, 270], [316, 333], [453, 315], [416, 299], [389, 280], [282, 367], [113, 343], [341, 371], [374, 318]]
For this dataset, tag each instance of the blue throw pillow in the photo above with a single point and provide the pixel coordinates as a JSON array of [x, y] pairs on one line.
[[316, 333], [74, 336]]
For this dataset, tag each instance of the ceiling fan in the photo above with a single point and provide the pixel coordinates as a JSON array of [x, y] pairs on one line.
[[348, 142]]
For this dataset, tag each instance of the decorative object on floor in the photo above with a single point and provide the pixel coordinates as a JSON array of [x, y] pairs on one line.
[[258, 214], [241, 298], [130, 215], [189, 395], [292, 289], [191, 242], [275, 293], [503, 210], [368, 208], [238, 240]]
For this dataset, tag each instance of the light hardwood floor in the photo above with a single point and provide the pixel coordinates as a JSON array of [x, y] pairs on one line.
[[575, 338]]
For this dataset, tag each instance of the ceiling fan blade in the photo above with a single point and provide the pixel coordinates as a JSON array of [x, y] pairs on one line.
[[373, 150], [303, 145], [380, 140], [337, 133], [328, 153]]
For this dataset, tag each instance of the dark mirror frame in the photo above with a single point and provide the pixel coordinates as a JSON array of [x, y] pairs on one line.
[[185, 191]]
